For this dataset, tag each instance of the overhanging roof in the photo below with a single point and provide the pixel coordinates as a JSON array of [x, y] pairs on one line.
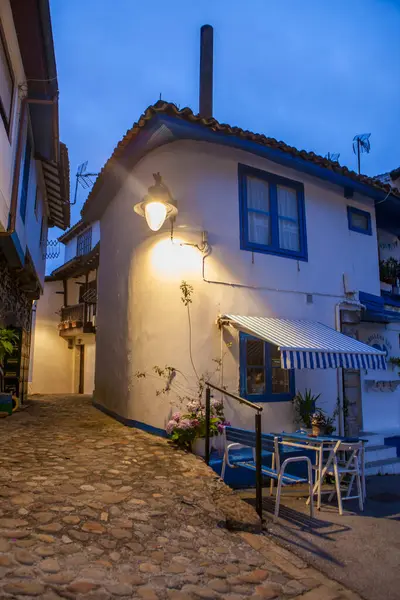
[[77, 266], [73, 232], [56, 179], [308, 344], [164, 122]]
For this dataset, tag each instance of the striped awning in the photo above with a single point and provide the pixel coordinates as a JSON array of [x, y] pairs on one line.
[[308, 344]]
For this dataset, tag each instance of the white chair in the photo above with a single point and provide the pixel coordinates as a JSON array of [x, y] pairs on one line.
[[347, 462]]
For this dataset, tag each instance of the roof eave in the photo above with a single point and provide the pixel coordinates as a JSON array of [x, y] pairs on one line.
[[139, 146]]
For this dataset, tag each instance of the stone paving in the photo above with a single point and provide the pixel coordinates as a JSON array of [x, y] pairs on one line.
[[94, 510]]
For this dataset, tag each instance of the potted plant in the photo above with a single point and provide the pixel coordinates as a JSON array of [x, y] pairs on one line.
[[188, 430], [8, 338], [304, 407], [389, 271], [318, 422]]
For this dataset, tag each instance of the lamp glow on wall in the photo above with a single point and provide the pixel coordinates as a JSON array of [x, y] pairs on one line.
[[158, 204]]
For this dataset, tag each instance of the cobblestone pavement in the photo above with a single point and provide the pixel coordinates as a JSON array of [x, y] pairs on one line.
[[91, 509]]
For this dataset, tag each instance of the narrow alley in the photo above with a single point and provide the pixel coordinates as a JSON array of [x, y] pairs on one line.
[[90, 508]]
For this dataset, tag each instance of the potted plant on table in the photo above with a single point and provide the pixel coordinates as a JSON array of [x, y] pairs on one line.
[[305, 406]]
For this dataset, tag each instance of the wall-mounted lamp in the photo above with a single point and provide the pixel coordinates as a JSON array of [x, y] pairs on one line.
[[157, 205]]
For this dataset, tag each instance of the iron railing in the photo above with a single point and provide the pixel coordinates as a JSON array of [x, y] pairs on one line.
[[82, 313], [72, 313], [258, 431]]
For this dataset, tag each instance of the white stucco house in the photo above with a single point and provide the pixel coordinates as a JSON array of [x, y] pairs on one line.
[[281, 243], [64, 338], [34, 173]]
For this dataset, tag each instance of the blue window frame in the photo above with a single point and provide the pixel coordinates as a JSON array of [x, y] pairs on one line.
[[272, 214], [359, 220], [261, 377], [25, 177]]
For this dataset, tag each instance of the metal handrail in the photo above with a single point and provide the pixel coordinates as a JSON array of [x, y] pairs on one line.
[[257, 429], [235, 397]]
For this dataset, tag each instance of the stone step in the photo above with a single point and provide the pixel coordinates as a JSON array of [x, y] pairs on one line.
[[380, 452], [386, 466]]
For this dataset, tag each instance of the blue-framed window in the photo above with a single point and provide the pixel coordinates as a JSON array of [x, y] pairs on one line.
[[272, 214], [25, 177], [261, 377], [359, 220]]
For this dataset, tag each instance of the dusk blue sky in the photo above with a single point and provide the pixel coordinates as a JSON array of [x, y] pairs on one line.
[[311, 73]]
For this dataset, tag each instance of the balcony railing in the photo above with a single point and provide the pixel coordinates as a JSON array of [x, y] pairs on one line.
[[73, 313], [79, 315]]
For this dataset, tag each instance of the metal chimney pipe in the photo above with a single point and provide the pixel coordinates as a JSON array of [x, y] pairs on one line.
[[206, 71]]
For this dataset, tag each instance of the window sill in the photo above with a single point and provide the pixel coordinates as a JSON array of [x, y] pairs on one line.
[[274, 252]]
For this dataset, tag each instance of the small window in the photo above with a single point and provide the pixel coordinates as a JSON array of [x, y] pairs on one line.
[[272, 214], [84, 242], [37, 201], [359, 220], [25, 177], [262, 378], [43, 231], [6, 83]]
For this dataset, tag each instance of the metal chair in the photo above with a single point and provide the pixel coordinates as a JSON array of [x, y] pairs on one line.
[[348, 461]]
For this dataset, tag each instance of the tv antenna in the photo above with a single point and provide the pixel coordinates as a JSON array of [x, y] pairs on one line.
[[361, 144], [83, 178], [334, 157]]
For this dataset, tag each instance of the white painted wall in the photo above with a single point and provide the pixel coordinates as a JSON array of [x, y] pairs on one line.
[[71, 246], [28, 232], [141, 320], [52, 361], [8, 143], [70, 250], [381, 409]]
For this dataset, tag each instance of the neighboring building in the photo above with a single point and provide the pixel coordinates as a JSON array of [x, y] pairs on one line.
[[290, 235], [34, 170], [65, 323]]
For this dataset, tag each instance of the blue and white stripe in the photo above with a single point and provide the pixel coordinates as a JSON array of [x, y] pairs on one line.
[[297, 359], [310, 345]]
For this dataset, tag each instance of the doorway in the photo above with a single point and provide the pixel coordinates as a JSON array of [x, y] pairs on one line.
[[81, 386]]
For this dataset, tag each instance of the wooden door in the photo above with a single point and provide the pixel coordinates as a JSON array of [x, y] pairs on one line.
[[81, 388]]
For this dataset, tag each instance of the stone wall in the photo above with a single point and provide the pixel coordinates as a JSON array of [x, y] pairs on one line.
[[15, 306]]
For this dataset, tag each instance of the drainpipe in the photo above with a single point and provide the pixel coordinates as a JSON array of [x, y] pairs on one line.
[[18, 159]]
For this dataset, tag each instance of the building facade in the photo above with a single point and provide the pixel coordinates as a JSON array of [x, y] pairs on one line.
[[34, 172], [262, 230], [65, 318]]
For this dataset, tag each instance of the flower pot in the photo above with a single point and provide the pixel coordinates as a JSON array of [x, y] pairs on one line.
[[199, 447], [386, 287], [216, 443], [316, 430]]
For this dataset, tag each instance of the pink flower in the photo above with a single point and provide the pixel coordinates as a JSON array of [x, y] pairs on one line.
[[185, 424], [176, 416], [221, 426], [171, 426]]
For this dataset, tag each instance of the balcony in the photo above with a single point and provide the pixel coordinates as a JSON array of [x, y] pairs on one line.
[[78, 318]]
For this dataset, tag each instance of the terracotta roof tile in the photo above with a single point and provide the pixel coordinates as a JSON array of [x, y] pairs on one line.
[[186, 114]]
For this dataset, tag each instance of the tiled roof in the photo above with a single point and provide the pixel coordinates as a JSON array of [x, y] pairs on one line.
[[77, 266], [167, 108], [395, 174], [73, 231]]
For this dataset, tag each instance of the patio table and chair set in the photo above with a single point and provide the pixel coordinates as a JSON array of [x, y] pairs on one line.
[[339, 457]]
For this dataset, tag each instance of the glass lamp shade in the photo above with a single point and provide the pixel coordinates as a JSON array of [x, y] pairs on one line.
[[155, 213]]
